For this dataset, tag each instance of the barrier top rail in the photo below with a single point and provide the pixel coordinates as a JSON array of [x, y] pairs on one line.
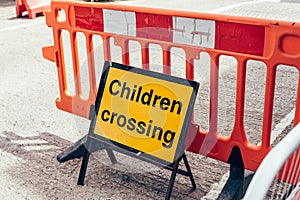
[[268, 41]]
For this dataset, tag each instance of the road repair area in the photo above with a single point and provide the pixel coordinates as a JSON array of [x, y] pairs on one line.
[[33, 131]]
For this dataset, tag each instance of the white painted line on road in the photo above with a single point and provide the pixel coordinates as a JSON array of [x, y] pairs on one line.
[[279, 128], [23, 25], [216, 188], [27, 141], [231, 6], [2, 135], [40, 147]]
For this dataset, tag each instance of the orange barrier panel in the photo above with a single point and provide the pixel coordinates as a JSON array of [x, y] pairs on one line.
[[33, 7], [241, 38], [290, 172]]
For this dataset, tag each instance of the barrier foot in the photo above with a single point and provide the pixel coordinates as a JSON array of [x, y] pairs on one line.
[[239, 178], [20, 8], [236, 184]]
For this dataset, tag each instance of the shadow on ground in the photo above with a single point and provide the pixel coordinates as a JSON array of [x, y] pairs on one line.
[[40, 173]]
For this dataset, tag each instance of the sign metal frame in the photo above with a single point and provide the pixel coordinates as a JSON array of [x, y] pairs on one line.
[[96, 141]]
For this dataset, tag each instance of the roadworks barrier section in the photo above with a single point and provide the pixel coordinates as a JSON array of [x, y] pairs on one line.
[[33, 7], [272, 43]]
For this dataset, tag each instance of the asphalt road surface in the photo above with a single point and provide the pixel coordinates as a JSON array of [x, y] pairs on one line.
[[33, 131]]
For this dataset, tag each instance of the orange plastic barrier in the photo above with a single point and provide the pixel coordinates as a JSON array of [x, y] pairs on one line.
[[272, 43], [290, 172], [33, 7]]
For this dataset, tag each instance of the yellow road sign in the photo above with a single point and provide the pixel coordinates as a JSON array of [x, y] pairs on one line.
[[143, 110]]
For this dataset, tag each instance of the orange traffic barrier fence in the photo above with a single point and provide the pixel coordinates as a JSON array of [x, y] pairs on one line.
[[33, 7], [244, 39]]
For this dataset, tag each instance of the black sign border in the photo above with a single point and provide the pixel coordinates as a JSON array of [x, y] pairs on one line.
[[129, 150]]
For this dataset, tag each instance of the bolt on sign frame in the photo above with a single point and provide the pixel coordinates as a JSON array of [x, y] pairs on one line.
[[267, 41]]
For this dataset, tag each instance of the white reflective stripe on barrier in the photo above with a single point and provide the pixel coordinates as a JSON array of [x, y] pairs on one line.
[[271, 165], [189, 31], [119, 22], [195, 32]]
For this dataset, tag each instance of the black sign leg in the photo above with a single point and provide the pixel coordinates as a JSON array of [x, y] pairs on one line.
[[175, 170], [172, 179], [112, 156], [84, 164], [189, 171]]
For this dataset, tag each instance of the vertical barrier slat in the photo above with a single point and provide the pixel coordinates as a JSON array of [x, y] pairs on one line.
[[189, 67], [294, 166], [145, 55], [240, 101], [91, 66], [76, 72], [106, 48], [166, 60], [214, 90], [268, 105], [125, 52]]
